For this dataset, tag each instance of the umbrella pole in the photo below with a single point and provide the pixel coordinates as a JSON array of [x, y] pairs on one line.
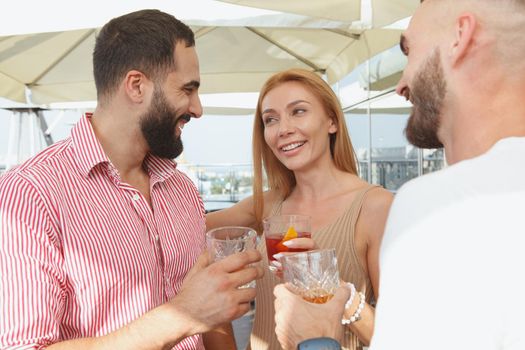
[[369, 113]]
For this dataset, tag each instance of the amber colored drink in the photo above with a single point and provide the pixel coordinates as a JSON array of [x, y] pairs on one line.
[[274, 244], [320, 299]]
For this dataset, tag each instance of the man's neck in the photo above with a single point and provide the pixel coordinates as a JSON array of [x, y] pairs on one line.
[[121, 140], [477, 127]]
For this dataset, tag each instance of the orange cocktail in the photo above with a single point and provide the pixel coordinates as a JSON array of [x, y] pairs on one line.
[[274, 244], [281, 228]]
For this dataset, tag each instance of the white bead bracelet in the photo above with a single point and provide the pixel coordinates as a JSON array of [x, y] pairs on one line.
[[352, 295], [357, 314]]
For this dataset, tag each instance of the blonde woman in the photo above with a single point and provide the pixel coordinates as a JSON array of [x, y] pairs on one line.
[[301, 141]]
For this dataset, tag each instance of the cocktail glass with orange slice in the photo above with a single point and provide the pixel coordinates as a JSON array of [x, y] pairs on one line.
[[281, 228]]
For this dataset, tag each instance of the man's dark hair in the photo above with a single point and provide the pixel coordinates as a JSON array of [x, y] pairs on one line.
[[143, 40]]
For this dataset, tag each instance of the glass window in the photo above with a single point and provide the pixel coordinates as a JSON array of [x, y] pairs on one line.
[[381, 145]]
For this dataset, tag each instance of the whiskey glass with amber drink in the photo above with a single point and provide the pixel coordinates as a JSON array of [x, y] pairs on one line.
[[281, 228], [313, 274]]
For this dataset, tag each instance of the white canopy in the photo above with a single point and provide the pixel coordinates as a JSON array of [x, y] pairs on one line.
[[369, 13], [235, 55]]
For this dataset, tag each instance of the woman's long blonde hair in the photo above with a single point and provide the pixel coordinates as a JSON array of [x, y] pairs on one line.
[[280, 178]]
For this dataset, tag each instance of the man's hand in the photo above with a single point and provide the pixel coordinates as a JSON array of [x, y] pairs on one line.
[[297, 319], [210, 296]]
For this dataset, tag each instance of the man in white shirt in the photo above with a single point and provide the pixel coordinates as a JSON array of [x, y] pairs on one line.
[[453, 254]]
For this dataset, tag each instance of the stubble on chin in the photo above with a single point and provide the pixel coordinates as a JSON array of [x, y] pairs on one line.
[[428, 95], [422, 132]]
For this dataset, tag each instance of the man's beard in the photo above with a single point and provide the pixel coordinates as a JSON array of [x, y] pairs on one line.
[[158, 126], [427, 96]]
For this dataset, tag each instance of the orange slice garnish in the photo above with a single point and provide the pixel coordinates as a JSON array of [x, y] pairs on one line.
[[290, 234]]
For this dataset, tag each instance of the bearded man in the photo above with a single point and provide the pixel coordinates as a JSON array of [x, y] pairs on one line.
[[452, 260], [99, 231]]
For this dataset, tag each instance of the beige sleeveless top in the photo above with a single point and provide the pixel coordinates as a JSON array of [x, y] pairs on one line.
[[338, 235]]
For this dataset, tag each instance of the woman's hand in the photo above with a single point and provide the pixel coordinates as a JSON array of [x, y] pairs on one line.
[[302, 243], [294, 245]]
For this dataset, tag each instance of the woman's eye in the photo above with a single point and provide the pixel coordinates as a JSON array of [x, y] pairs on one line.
[[268, 120], [299, 111]]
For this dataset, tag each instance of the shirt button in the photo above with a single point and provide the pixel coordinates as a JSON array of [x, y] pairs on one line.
[[136, 197]]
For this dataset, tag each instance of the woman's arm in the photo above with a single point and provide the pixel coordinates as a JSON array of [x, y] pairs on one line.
[[239, 214]]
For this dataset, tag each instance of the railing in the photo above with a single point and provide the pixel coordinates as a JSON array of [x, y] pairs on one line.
[[222, 185]]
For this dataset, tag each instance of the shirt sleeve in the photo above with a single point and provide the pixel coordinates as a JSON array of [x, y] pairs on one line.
[[31, 274]]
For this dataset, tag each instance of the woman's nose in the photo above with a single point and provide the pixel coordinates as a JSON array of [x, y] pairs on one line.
[[286, 126]]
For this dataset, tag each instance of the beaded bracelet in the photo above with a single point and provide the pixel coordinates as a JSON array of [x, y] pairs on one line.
[[352, 295], [357, 314]]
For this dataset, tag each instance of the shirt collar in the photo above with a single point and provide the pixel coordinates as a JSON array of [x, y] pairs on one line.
[[159, 169], [88, 150], [90, 153]]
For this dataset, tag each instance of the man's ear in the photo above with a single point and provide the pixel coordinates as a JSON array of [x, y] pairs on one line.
[[464, 30], [135, 85]]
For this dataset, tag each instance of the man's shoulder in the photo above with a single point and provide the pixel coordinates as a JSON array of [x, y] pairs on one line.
[[184, 184], [185, 189], [461, 178], [181, 178], [45, 158], [475, 190], [425, 187], [42, 166], [498, 171], [421, 198]]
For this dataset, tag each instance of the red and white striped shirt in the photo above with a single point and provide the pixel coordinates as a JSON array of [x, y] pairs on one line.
[[82, 253]]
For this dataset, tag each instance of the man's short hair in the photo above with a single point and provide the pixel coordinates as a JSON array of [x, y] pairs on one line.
[[143, 40]]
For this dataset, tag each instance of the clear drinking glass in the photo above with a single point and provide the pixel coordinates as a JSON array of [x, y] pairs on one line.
[[228, 240], [313, 274], [278, 228]]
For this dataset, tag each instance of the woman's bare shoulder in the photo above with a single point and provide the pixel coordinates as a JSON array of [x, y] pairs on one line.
[[271, 196], [378, 200], [374, 213]]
